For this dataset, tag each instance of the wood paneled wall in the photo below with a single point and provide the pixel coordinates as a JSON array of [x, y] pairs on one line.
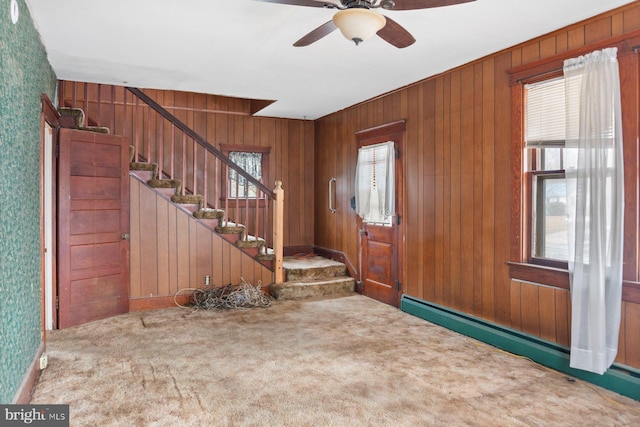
[[221, 120], [458, 187], [171, 250]]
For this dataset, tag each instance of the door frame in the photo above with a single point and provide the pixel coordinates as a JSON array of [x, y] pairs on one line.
[[49, 119], [394, 131]]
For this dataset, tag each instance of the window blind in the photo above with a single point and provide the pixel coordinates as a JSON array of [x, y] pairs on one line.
[[545, 120]]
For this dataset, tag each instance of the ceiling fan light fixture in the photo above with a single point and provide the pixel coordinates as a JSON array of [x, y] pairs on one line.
[[359, 24]]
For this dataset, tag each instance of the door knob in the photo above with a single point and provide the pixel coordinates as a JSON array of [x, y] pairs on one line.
[[125, 236]]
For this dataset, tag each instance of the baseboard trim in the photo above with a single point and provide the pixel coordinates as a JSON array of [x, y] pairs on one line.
[[23, 395], [296, 250], [621, 379], [337, 256], [141, 304]]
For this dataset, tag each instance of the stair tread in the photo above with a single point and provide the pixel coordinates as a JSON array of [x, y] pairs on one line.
[[164, 183], [313, 289], [312, 267], [193, 204], [142, 166], [209, 213], [320, 281]]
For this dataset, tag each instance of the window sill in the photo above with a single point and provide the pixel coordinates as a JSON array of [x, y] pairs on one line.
[[549, 276], [559, 278]]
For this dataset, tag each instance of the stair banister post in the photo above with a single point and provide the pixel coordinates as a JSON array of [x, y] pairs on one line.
[[278, 232]]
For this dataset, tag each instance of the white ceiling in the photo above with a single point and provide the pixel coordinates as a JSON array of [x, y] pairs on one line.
[[243, 48]]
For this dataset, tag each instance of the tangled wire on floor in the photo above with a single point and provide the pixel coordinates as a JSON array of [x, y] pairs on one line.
[[244, 295]]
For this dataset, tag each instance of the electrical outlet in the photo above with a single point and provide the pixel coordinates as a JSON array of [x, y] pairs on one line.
[[43, 361], [207, 280]]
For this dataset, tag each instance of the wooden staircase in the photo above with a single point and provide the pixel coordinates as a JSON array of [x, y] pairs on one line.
[[194, 203], [157, 138], [310, 276]]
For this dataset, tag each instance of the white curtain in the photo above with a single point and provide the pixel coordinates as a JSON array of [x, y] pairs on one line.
[[595, 204], [375, 171]]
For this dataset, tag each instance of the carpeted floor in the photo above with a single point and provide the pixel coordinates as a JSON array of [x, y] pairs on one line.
[[347, 361]]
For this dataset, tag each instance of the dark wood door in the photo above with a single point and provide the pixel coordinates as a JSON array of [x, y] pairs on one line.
[[381, 250], [93, 226], [379, 262]]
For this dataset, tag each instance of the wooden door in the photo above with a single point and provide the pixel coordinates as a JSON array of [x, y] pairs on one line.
[[379, 262], [380, 248], [93, 226]]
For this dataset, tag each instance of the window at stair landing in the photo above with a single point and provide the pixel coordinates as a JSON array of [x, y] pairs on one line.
[[254, 160], [239, 186]]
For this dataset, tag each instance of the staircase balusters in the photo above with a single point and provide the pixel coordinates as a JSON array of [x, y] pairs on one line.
[[86, 99], [149, 156], [161, 149], [206, 173], [173, 148], [205, 180], [184, 162], [113, 108], [195, 169], [135, 129], [99, 103]]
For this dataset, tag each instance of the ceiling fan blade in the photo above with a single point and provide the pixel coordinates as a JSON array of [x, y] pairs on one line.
[[396, 34], [316, 34], [311, 3], [423, 4]]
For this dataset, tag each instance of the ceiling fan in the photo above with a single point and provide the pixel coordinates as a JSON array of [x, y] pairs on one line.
[[358, 22]]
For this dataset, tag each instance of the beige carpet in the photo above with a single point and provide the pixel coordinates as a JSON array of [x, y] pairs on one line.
[[347, 361]]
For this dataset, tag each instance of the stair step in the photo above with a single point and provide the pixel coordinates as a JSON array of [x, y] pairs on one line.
[[166, 183], [71, 117], [254, 247], [230, 228], [208, 213], [143, 166], [74, 118], [312, 267], [266, 256], [97, 129], [310, 288], [187, 199], [250, 242]]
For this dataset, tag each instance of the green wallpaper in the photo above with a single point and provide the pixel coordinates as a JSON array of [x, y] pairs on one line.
[[25, 73]]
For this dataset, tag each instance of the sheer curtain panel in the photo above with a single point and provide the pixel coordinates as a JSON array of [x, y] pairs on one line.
[[595, 204], [375, 172]]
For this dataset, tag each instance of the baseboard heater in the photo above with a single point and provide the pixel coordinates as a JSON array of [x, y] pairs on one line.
[[621, 379]]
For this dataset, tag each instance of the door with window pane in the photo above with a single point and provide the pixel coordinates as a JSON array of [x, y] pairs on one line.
[[380, 224]]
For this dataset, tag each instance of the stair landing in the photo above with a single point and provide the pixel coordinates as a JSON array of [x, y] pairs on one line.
[[313, 276]]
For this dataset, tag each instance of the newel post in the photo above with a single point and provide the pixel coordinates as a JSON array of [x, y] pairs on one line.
[[278, 232]]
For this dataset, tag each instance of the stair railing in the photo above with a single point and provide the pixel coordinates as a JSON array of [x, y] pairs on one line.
[[181, 153], [256, 224]]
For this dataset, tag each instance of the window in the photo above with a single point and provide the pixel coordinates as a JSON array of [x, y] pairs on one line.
[[254, 160], [375, 183], [546, 156], [239, 186]]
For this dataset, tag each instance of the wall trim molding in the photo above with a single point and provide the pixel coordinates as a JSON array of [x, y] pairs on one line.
[[141, 304], [621, 379], [24, 392], [337, 256], [296, 250]]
